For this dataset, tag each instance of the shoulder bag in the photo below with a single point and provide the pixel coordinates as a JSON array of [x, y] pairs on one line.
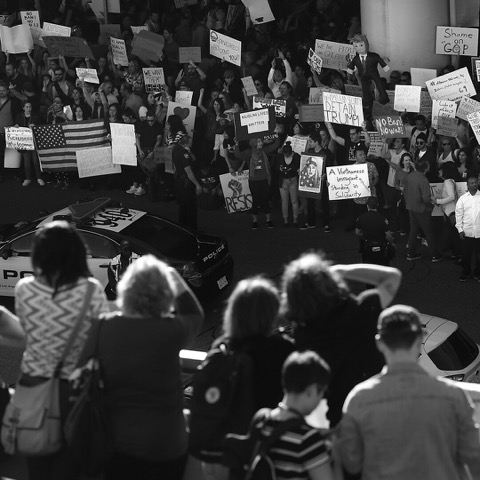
[[31, 423]]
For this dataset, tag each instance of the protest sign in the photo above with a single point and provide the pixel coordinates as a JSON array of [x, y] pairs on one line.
[[467, 105], [254, 123], [259, 10], [87, 75], [447, 126], [444, 108], [154, 78], [119, 51], [13, 158], [124, 149], [186, 113], [315, 96], [334, 55], [236, 191], [37, 33], [108, 30], [456, 41], [183, 3], [299, 144], [380, 110], [184, 97], [16, 39], [113, 6], [8, 20], [225, 48], [353, 90], [68, 47], [148, 46], [20, 138], [348, 181], [190, 53], [390, 127], [31, 18], [376, 144], [407, 98], [436, 191], [164, 155], [249, 86], [422, 75], [279, 104], [314, 61], [138, 29], [310, 175], [451, 86], [474, 121], [342, 109], [54, 30], [93, 162], [476, 68], [426, 104], [311, 113]]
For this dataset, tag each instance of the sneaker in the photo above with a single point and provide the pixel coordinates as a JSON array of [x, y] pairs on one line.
[[270, 224], [40, 182], [326, 229], [436, 259], [307, 226], [424, 242], [140, 191], [463, 277], [26, 183], [254, 225], [132, 189], [413, 256]]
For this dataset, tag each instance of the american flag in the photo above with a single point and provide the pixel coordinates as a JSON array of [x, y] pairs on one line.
[[56, 144]]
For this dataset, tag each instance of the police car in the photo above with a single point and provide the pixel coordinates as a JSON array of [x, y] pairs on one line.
[[203, 260]]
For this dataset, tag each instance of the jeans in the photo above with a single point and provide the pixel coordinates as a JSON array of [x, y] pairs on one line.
[[421, 221], [260, 192], [288, 193]]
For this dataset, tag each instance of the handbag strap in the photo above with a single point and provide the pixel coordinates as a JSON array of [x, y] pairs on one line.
[[76, 328]]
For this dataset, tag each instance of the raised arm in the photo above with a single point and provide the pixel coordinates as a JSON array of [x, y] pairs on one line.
[[334, 136]]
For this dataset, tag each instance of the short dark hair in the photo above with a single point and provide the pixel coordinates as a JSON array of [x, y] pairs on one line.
[[361, 148], [421, 118], [59, 254], [399, 326], [315, 136], [302, 369], [449, 170], [422, 167]]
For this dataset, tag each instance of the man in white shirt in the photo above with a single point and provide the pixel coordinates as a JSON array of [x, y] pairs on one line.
[[467, 214]]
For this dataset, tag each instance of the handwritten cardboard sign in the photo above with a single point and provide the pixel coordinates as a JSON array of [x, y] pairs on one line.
[[249, 86], [407, 98], [190, 53], [148, 46], [314, 61], [474, 121], [447, 126], [376, 144], [119, 51], [124, 150], [20, 138], [225, 48], [184, 97], [16, 39], [342, 109], [456, 41], [260, 11], [476, 68], [426, 104], [279, 104], [422, 75], [154, 78], [315, 96], [390, 127], [467, 105], [93, 162], [137, 29], [68, 47], [311, 113], [354, 90], [54, 30], [87, 75], [348, 181], [299, 144], [334, 55], [436, 191], [31, 18], [254, 123], [187, 113], [443, 108], [236, 191], [452, 86]]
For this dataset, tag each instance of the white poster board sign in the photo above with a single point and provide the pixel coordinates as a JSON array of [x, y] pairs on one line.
[[236, 191], [334, 55], [119, 51], [467, 105], [87, 75], [342, 109], [299, 144], [348, 181], [124, 150], [444, 108], [17, 39], [447, 126], [426, 104], [93, 162], [184, 97], [249, 86], [407, 98], [31, 18], [315, 96], [20, 138], [279, 104], [186, 113], [422, 75], [259, 10], [376, 144], [54, 30], [452, 86], [226, 48], [456, 41], [474, 121], [154, 78], [256, 121], [315, 61]]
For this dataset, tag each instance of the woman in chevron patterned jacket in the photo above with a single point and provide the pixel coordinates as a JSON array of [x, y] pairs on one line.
[[48, 305]]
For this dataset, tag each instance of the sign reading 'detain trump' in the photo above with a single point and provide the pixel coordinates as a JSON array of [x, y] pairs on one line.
[[442, 108], [452, 86], [348, 181], [236, 191], [467, 105], [407, 98], [342, 109], [20, 138], [474, 120], [279, 104], [390, 127], [457, 41], [334, 55], [93, 162], [225, 48], [255, 123]]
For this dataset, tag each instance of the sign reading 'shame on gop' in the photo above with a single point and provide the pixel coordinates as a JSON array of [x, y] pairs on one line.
[[236, 191], [342, 109], [225, 48], [457, 41]]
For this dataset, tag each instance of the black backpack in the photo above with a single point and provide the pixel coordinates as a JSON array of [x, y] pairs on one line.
[[247, 456], [222, 401]]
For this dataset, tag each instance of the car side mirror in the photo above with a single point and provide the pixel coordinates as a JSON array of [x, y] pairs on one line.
[[6, 253]]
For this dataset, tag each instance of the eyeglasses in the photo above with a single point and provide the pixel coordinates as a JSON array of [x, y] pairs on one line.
[[420, 142]]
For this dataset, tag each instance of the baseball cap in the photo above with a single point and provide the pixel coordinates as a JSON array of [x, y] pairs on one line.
[[399, 320]]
